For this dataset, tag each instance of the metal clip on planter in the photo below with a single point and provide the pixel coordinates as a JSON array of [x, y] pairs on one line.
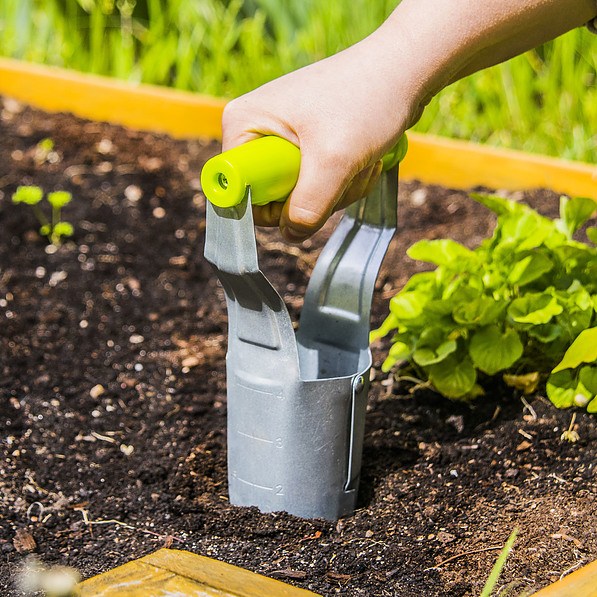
[[296, 403]]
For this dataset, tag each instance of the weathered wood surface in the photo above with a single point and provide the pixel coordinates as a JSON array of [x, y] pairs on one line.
[[175, 573]]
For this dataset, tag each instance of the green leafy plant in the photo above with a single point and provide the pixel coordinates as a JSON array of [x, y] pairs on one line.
[[54, 228], [522, 303]]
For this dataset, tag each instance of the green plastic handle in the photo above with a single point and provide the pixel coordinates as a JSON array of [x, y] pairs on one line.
[[269, 165]]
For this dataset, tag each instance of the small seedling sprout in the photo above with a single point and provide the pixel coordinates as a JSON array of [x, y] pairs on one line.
[[58, 199], [32, 195], [46, 145], [55, 229], [44, 151], [570, 435]]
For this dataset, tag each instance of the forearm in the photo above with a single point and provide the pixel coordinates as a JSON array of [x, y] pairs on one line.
[[446, 40]]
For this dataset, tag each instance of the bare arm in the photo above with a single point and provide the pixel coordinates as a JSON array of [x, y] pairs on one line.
[[345, 111]]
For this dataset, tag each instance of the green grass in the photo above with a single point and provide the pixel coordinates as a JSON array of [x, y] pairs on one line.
[[544, 101], [499, 565]]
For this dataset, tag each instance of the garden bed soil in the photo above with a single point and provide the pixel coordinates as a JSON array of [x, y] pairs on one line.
[[113, 397]]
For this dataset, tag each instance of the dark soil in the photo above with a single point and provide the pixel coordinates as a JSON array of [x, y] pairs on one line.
[[113, 398]]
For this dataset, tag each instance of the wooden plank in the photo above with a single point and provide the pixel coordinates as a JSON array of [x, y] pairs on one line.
[[136, 579], [580, 583], [432, 160], [169, 572], [146, 107], [462, 165]]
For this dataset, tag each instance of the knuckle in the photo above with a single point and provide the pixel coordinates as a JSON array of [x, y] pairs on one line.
[[232, 113]]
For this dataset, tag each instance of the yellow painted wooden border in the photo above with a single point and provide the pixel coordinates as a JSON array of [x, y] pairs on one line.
[[146, 107], [580, 583], [462, 165], [178, 572], [432, 160]]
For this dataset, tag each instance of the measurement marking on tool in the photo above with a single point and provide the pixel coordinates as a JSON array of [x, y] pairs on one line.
[[259, 439], [266, 392], [254, 484], [278, 488]]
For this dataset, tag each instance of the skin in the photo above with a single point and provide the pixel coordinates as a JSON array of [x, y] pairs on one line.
[[346, 111]]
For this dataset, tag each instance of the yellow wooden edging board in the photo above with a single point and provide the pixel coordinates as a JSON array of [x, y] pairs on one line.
[[146, 107], [169, 572], [432, 160], [580, 583], [462, 165]]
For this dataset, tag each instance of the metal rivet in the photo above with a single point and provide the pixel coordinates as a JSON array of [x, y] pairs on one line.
[[359, 384], [222, 181]]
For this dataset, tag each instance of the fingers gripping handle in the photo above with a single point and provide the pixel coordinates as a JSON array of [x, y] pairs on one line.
[[269, 165]]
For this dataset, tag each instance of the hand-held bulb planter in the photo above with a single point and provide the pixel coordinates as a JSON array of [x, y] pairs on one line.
[[296, 403]]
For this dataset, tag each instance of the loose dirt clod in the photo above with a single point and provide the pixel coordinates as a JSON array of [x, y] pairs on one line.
[[23, 541]]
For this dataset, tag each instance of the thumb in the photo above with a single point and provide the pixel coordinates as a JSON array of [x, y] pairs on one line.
[[318, 189]]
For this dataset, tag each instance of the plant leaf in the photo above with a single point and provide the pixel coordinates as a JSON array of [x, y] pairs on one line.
[[565, 390], [31, 195], [433, 346], [529, 269], [479, 311], [527, 382], [398, 352], [429, 356], [493, 351], [562, 389], [453, 377], [588, 378], [441, 252], [592, 234], [390, 323], [534, 308], [498, 205], [63, 229], [525, 229], [574, 213], [59, 199], [407, 305], [582, 350], [545, 332], [499, 564]]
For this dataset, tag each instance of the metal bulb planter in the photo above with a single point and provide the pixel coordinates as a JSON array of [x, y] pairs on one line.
[[296, 402]]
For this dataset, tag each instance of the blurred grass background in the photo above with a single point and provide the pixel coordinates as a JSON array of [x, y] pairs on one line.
[[544, 101]]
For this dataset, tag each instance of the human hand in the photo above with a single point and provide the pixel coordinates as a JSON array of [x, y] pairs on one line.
[[341, 117], [346, 111]]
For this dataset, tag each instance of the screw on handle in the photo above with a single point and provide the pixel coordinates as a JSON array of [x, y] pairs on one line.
[[269, 165]]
